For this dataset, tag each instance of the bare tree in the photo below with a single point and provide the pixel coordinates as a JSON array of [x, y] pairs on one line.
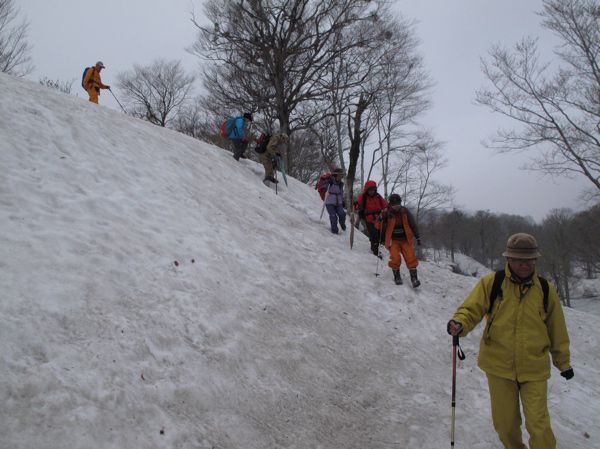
[[156, 92], [15, 56], [276, 53], [393, 79], [559, 113], [586, 240], [556, 240], [61, 86]]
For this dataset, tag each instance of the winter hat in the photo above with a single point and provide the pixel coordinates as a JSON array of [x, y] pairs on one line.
[[337, 171], [100, 64], [395, 199], [521, 246], [370, 185], [248, 116]]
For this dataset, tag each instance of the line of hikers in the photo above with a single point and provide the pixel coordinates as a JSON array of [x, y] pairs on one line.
[[527, 329], [387, 222]]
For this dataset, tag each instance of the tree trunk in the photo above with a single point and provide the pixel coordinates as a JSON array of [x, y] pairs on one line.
[[355, 139]]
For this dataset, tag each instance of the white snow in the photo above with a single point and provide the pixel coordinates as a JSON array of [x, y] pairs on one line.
[[270, 332]]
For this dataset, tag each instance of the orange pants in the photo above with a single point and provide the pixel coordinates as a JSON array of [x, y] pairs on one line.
[[405, 248], [93, 92]]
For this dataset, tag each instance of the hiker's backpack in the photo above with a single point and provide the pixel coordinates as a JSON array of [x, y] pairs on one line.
[[497, 290], [262, 142], [322, 182], [229, 129], [85, 71]]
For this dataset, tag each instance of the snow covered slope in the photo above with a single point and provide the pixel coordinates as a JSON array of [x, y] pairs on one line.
[[268, 333]]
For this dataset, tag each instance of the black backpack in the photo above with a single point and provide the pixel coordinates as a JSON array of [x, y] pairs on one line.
[[497, 290], [262, 142]]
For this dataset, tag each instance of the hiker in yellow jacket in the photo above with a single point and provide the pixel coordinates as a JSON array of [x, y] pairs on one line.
[[516, 342], [93, 82]]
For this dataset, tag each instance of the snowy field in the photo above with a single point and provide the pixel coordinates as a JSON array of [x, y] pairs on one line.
[[268, 332]]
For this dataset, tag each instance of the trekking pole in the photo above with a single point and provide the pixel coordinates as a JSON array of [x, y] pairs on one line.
[[122, 108], [461, 355]]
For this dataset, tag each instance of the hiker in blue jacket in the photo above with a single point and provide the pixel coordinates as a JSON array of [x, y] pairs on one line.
[[240, 135], [334, 200]]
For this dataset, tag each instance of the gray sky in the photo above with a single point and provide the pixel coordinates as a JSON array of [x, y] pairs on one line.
[[68, 35]]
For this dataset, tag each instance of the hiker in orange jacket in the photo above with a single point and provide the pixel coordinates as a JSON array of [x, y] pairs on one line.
[[93, 82], [400, 229]]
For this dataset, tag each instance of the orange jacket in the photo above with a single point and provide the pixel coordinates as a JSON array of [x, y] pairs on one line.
[[92, 79], [408, 223]]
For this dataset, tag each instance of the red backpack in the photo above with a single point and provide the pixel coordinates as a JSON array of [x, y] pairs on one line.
[[321, 186]]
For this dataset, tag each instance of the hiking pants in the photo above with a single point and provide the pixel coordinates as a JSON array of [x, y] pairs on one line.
[[405, 248], [374, 235], [239, 146], [336, 212], [506, 415], [266, 159], [93, 92]]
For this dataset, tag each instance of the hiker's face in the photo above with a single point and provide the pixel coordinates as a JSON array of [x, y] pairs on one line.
[[371, 191], [523, 268]]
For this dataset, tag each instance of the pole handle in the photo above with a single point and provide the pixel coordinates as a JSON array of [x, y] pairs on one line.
[[456, 344]]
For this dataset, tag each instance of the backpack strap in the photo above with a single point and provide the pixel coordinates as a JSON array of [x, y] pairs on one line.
[[496, 288], [545, 289]]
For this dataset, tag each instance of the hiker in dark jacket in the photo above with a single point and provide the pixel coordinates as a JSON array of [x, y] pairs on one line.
[[399, 229], [369, 205], [334, 201]]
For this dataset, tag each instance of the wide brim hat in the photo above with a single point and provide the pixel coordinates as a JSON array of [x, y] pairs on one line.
[[521, 246]]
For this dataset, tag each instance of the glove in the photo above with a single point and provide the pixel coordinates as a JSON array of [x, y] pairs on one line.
[[108, 87], [274, 162], [361, 214], [418, 241], [453, 324], [568, 374]]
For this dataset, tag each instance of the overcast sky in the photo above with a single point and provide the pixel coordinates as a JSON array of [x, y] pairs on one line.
[[68, 35]]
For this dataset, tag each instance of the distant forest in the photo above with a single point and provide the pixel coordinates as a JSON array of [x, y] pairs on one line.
[[569, 242]]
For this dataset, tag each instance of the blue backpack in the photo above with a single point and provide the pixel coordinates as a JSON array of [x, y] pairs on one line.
[[231, 130], [83, 77]]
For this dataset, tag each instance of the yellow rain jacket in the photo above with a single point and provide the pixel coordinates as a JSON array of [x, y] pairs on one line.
[[519, 333]]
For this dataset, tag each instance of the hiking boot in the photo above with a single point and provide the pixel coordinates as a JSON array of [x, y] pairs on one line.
[[397, 277], [414, 279], [236, 157], [377, 253], [270, 178], [343, 226], [243, 156]]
